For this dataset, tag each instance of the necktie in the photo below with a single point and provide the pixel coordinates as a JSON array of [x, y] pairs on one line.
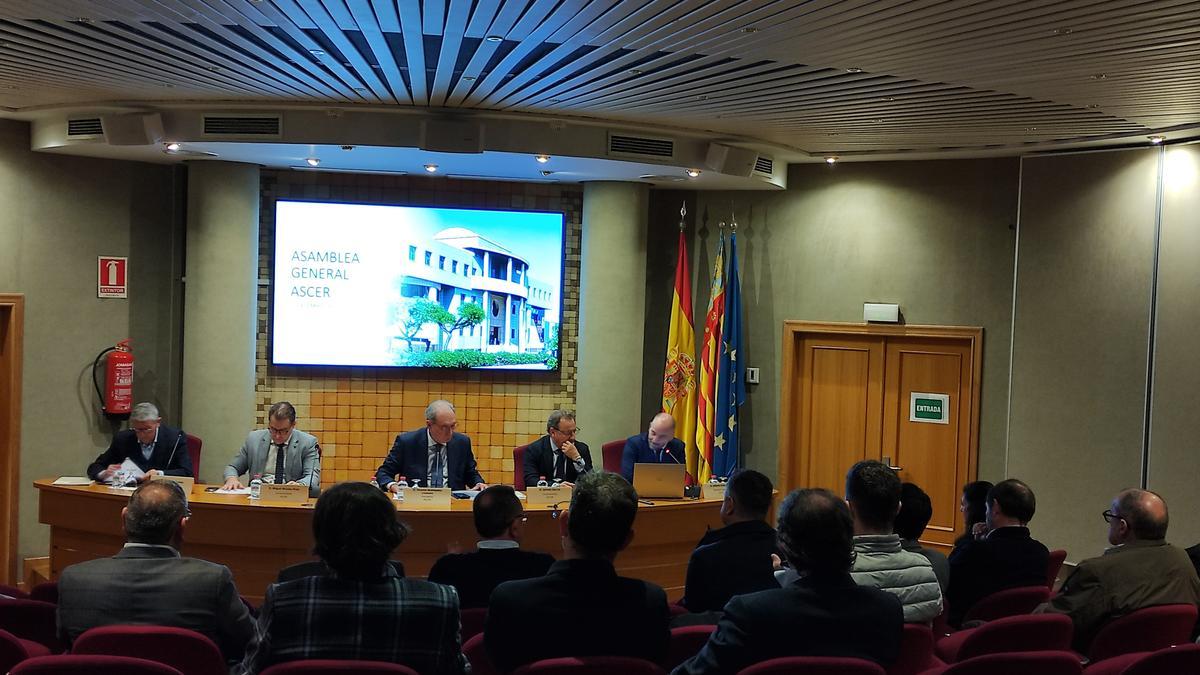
[[559, 462], [436, 479], [279, 455]]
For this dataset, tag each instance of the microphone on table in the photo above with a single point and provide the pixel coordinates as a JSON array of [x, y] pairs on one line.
[[173, 452]]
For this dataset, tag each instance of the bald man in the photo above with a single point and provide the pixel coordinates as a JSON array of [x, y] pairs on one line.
[[1140, 569], [656, 446]]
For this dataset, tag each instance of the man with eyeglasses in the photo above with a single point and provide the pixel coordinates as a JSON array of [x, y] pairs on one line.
[[1140, 569], [437, 455], [557, 455], [500, 521], [281, 453], [155, 448]]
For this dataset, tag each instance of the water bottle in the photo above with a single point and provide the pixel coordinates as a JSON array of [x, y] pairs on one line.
[[557, 482], [374, 483], [256, 486], [401, 486], [542, 482], [714, 481]]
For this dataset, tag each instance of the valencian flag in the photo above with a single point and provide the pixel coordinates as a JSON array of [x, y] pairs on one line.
[[731, 390], [679, 376], [710, 354]]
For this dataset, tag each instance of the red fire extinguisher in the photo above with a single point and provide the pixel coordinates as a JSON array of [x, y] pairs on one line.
[[116, 399]]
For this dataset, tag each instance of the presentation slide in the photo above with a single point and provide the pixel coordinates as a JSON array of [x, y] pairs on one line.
[[370, 285]]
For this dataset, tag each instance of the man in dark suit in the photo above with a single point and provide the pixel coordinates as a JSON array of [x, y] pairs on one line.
[[735, 559], [1005, 557], [557, 455], [500, 522], [823, 613], [581, 607], [437, 456], [155, 449], [148, 582], [657, 446]]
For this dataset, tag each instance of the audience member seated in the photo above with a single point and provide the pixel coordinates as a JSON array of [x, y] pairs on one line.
[[361, 610], [1140, 570], [1005, 556], [148, 582], [973, 506], [557, 456], [656, 446], [823, 613], [155, 448], [873, 492], [915, 511], [735, 559], [581, 607], [500, 522]]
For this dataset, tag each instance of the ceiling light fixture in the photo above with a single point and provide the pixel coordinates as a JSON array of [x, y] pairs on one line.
[[832, 159], [555, 100], [468, 78], [750, 29], [1100, 76], [1157, 139], [888, 99], [494, 38], [1063, 31], [431, 168], [171, 147], [313, 161], [635, 71], [853, 70], [693, 173], [542, 159], [317, 52]]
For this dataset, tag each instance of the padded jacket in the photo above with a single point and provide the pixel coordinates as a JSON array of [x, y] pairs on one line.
[[880, 562]]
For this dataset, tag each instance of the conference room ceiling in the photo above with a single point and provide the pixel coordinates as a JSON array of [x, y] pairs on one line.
[[876, 77]]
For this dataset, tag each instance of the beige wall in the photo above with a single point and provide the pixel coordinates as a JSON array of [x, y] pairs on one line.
[[58, 214]]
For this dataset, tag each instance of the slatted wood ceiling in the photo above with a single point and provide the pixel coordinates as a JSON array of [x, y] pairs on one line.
[[823, 75]]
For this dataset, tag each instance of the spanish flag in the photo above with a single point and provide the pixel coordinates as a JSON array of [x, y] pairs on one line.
[[710, 355], [679, 376]]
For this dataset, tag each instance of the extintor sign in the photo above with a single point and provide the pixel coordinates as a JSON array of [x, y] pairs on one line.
[[112, 280]]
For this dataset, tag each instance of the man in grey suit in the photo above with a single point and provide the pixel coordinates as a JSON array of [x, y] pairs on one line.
[[299, 464], [148, 583]]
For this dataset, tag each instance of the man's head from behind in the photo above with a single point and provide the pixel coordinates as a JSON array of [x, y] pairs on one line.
[[873, 491], [747, 497], [498, 513], [816, 532], [156, 514], [1136, 515], [1010, 502], [915, 511], [355, 530], [600, 520]]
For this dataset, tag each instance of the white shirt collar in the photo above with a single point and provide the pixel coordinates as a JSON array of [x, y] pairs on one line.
[[497, 544]]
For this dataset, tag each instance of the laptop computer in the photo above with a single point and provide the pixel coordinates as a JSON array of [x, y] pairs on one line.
[[659, 481]]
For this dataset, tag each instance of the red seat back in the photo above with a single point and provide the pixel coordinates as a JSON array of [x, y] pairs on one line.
[[1009, 602], [472, 621], [590, 665], [47, 592], [1181, 659], [12, 651], [194, 444], [814, 665], [916, 651], [477, 656], [31, 620], [13, 592], [185, 650], [1030, 633], [686, 642], [1057, 557], [611, 455], [338, 667], [91, 665], [519, 467], [1146, 630], [1018, 663]]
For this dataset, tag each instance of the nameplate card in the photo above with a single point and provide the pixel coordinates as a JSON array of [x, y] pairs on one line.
[[291, 494], [711, 491], [185, 482], [426, 498], [546, 496]]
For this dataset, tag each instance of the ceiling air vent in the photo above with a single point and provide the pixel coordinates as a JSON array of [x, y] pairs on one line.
[[243, 126], [85, 128], [764, 165], [639, 146]]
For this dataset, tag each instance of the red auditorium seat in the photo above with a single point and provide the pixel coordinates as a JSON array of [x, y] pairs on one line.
[[472, 621], [194, 445], [1181, 659], [185, 650], [13, 592], [1016, 663], [1009, 602], [477, 656], [338, 667], [1030, 633], [1057, 558], [590, 665], [519, 467], [610, 453], [1146, 630], [33, 621], [91, 665], [686, 642], [12, 651], [916, 652], [814, 665], [47, 592]]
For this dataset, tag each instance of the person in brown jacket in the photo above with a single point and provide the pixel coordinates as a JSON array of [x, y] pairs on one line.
[[1140, 569]]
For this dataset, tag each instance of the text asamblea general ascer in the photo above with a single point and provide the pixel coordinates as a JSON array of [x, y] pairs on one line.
[[323, 266]]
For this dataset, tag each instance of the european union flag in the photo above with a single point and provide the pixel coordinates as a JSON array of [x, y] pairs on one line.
[[731, 390]]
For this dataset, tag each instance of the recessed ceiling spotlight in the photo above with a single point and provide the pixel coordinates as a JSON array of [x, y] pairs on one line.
[[1030, 128], [431, 168], [494, 38], [889, 99], [854, 70], [877, 120], [347, 147], [171, 147], [542, 159], [213, 68], [1093, 106], [555, 100], [702, 97], [831, 159], [750, 29], [1100, 76], [693, 173], [82, 19], [317, 52], [468, 78], [1063, 31], [313, 161], [635, 71], [360, 89], [1157, 139]]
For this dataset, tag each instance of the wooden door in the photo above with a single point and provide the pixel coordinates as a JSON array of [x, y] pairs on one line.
[[11, 331]]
